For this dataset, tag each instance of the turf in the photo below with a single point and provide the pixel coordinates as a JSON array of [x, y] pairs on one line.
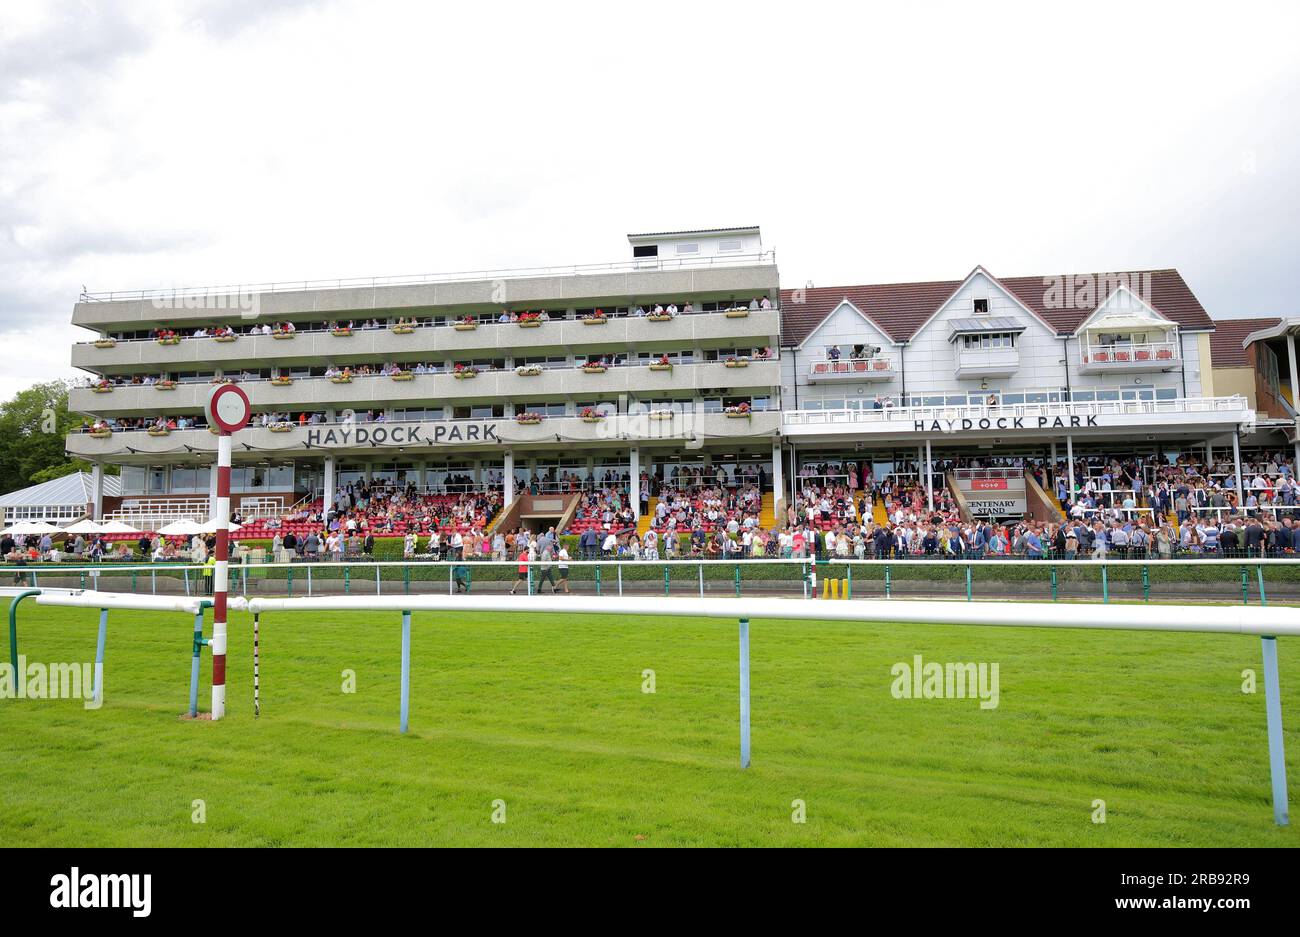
[[547, 714]]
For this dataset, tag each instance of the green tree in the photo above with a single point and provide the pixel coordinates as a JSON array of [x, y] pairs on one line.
[[32, 429]]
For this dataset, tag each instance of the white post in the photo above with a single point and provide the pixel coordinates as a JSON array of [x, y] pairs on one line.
[[508, 494], [778, 475], [1051, 475], [1295, 394], [220, 579], [634, 480], [1236, 467], [929, 477], [97, 492], [212, 492], [328, 504], [1069, 467]]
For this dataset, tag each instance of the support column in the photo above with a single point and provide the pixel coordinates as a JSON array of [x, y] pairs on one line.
[[929, 477], [1051, 476], [1069, 468], [97, 492], [329, 485], [634, 481], [1236, 467], [1295, 393], [1209, 455], [212, 492], [508, 480], [778, 475]]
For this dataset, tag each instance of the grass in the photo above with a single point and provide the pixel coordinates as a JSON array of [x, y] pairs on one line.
[[547, 714]]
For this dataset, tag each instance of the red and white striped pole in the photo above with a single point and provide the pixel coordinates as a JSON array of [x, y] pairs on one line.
[[228, 410]]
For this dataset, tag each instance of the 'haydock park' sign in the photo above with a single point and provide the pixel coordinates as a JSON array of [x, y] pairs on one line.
[[1004, 423], [401, 434]]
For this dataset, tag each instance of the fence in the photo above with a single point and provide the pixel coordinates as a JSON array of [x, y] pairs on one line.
[[1246, 580]]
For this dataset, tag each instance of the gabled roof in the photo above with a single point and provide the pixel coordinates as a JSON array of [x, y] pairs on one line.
[[902, 308], [1227, 348], [664, 234], [74, 489]]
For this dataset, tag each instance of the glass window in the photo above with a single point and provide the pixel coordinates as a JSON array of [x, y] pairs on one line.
[[688, 248]]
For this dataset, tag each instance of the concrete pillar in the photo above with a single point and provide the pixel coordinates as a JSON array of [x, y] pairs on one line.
[[1295, 378], [1069, 468], [508, 493], [1051, 475], [1209, 453], [778, 474], [329, 485], [929, 476], [97, 492], [1236, 467], [634, 480], [212, 491]]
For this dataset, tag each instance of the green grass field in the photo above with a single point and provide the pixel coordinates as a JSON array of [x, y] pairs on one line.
[[547, 714]]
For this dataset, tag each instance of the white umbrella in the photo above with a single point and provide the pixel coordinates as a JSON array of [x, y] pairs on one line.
[[211, 527], [117, 527], [182, 528], [27, 528], [84, 527]]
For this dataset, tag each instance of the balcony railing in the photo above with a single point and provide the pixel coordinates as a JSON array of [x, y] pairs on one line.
[[876, 368], [639, 265], [1129, 356]]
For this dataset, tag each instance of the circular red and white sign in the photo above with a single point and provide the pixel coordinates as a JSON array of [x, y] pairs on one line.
[[228, 408]]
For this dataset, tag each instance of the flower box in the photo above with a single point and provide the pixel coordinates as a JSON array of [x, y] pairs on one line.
[[403, 329], [214, 431], [106, 343], [102, 389], [659, 317], [736, 313], [530, 324], [172, 340], [528, 420], [341, 379], [283, 335], [224, 338], [281, 381], [159, 431], [592, 320], [280, 427], [738, 414], [341, 333], [164, 385], [659, 366], [661, 415], [593, 419], [100, 433], [403, 376], [465, 326], [594, 369], [464, 375], [528, 371], [738, 363]]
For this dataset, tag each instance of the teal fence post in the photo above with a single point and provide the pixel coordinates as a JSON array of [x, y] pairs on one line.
[[347, 580], [737, 580], [968, 584], [1053, 583], [803, 567], [848, 582], [83, 580], [888, 581], [13, 629], [134, 573], [597, 579], [1245, 588], [1259, 570], [406, 579], [290, 581], [1105, 584], [1146, 584], [665, 580]]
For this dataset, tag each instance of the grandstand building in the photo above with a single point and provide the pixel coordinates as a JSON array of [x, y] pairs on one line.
[[687, 360]]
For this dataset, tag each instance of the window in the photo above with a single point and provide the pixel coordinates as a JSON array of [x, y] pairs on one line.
[[645, 250], [981, 307], [729, 246], [989, 341], [688, 248]]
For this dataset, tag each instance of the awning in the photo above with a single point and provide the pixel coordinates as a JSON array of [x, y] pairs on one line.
[[984, 326], [1127, 324]]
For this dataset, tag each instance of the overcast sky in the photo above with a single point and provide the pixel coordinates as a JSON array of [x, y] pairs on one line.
[[165, 144]]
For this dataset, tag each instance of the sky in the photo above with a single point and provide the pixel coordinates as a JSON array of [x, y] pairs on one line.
[[197, 142]]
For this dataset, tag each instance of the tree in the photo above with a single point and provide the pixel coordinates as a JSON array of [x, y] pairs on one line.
[[32, 429]]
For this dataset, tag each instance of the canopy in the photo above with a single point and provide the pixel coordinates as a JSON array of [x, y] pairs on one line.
[[1127, 324], [211, 527], [181, 528], [26, 528], [117, 527], [84, 527]]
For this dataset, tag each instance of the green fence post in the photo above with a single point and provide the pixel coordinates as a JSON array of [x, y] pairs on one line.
[[737, 580], [848, 582], [888, 582], [289, 583], [597, 579], [1053, 583], [1146, 584], [665, 580], [83, 580], [1259, 570], [968, 584], [530, 578], [13, 630], [347, 580], [1245, 587], [406, 579], [1105, 584], [803, 572], [134, 573]]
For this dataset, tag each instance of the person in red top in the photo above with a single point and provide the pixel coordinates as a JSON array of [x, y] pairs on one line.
[[522, 576]]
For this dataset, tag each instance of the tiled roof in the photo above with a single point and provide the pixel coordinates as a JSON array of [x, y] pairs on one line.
[[899, 309], [660, 234], [1226, 350]]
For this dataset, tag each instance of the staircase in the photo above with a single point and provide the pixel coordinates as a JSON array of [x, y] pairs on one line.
[[767, 511], [1037, 496], [878, 512], [643, 522]]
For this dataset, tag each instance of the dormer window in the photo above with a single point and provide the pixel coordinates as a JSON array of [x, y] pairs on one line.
[[981, 307]]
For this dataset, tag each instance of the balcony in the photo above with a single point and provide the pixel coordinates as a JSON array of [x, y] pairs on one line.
[[761, 327], [876, 368], [378, 391], [567, 432], [1129, 358], [987, 362]]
